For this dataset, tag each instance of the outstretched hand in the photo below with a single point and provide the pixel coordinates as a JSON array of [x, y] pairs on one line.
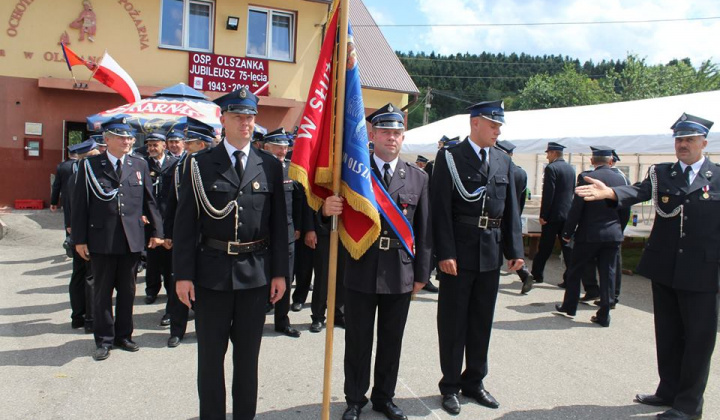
[[595, 190]]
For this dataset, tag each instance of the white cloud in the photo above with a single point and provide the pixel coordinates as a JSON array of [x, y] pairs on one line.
[[658, 42]]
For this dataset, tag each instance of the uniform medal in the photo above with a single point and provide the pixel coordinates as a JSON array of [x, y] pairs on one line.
[[139, 176], [705, 189], [665, 199]]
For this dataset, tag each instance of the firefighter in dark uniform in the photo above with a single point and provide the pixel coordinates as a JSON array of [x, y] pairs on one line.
[[521, 188], [63, 172], [159, 260], [230, 253], [276, 143], [112, 194], [597, 233], [681, 259], [384, 278], [476, 219], [196, 136], [557, 195], [81, 278]]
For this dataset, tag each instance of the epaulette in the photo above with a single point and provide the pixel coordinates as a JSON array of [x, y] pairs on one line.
[[137, 157], [452, 146]]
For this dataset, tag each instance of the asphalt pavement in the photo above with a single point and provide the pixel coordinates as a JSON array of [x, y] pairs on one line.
[[542, 366]]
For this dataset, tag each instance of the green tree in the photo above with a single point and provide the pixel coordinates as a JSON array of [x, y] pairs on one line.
[[568, 88]]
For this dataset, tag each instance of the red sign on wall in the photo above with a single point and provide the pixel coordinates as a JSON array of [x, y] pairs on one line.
[[223, 73]]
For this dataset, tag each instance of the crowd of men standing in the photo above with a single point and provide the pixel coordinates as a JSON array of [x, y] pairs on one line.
[[225, 231]]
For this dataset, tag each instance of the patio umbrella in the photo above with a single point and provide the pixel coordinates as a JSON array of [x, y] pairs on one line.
[[167, 109]]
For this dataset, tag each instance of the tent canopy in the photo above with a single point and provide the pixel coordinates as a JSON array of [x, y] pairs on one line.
[[630, 127]]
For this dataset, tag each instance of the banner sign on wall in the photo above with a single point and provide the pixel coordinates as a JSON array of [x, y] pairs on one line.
[[224, 73]]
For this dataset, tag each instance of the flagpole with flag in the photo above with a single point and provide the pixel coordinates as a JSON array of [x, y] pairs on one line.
[[109, 73], [336, 179]]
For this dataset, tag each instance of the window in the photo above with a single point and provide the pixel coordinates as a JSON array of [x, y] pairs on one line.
[[187, 24], [271, 34]]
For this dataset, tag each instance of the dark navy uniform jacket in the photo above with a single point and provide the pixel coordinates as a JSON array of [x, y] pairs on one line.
[[162, 178], [294, 201], [474, 248], [262, 213], [62, 175], [394, 271], [111, 227], [558, 191], [690, 261], [520, 186], [595, 221]]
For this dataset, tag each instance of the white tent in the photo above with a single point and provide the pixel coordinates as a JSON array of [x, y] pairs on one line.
[[641, 127]]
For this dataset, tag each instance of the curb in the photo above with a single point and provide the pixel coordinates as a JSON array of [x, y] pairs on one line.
[[3, 229]]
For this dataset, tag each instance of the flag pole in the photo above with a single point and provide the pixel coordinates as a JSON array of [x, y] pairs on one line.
[[340, 71]]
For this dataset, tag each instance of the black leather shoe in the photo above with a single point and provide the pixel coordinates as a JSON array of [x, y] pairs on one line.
[[429, 287], [652, 399], [603, 322], [165, 321], [537, 279], [150, 299], [483, 398], [589, 296], [451, 404], [561, 284], [173, 341], [523, 273], [296, 307], [77, 323], [289, 331], [316, 327], [678, 415], [127, 345], [340, 322], [564, 311], [352, 412], [391, 411], [527, 285], [612, 305], [101, 353]]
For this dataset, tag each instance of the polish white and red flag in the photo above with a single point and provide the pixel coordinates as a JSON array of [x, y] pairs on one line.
[[109, 73]]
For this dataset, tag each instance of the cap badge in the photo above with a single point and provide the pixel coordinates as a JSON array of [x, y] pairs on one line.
[[683, 117], [242, 93], [665, 199], [390, 108]]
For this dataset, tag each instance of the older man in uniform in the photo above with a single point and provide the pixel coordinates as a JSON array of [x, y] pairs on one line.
[[108, 229], [597, 232], [557, 195], [230, 254], [176, 144], [385, 277], [276, 143], [521, 190], [681, 259], [476, 219], [159, 260]]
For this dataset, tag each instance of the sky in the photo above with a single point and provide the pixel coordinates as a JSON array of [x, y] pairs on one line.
[[657, 42]]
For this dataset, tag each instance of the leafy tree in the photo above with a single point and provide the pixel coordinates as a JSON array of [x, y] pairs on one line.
[[568, 88]]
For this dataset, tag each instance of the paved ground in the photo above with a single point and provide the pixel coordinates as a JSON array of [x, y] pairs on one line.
[[542, 366]]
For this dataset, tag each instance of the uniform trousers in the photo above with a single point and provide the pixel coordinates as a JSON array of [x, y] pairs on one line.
[[549, 232], [282, 307], [392, 312], [685, 332], [220, 316], [303, 271], [466, 307], [590, 282], [159, 268], [78, 304], [320, 289], [605, 253], [177, 310], [113, 272]]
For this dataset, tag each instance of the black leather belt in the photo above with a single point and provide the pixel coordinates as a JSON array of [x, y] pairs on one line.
[[483, 222], [386, 243], [235, 248]]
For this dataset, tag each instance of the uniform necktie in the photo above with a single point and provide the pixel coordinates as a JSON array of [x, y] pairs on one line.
[[386, 175], [118, 168], [483, 161], [688, 171], [238, 163]]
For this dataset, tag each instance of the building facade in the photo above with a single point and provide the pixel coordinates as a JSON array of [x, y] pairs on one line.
[[214, 46]]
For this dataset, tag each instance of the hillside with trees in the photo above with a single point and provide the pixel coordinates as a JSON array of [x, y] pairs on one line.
[[549, 81]]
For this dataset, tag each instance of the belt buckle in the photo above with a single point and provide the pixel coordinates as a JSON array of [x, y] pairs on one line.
[[230, 246], [384, 243], [483, 222]]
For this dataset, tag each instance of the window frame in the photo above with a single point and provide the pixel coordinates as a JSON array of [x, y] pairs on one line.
[[268, 39], [185, 25]]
